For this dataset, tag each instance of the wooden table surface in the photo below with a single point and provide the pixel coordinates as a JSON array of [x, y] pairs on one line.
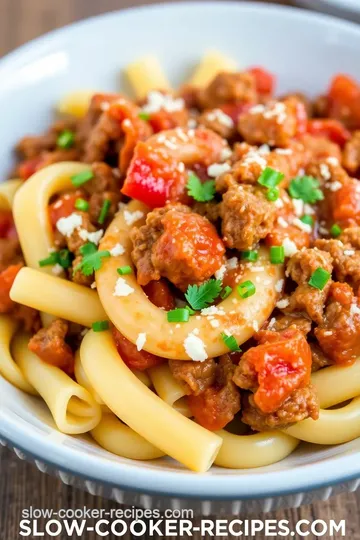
[[21, 485]]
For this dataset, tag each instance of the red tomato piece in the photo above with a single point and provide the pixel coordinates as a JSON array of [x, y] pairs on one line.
[[64, 206], [345, 204], [344, 100], [265, 81], [7, 225], [278, 234], [342, 293], [282, 364], [29, 167], [210, 409], [7, 278], [234, 110], [330, 128], [133, 358], [160, 295]]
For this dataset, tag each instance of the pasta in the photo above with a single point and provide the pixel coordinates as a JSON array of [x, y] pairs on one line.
[[142, 410], [141, 249], [74, 410]]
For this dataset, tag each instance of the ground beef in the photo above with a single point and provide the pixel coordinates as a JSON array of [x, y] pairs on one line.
[[228, 88], [249, 163], [210, 210], [105, 179], [320, 148], [247, 216], [49, 345], [10, 252], [301, 404], [96, 202], [339, 333], [105, 134], [306, 298], [195, 377], [75, 241], [77, 276], [217, 405], [219, 122], [295, 320], [319, 360], [346, 259], [351, 153], [31, 146], [275, 123], [304, 100], [178, 244], [351, 236], [327, 171], [97, 106]]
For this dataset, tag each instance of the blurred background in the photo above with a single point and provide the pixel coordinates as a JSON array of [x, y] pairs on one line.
[[21, 485]]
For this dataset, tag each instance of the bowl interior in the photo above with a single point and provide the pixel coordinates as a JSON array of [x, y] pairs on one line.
[[304, 50]]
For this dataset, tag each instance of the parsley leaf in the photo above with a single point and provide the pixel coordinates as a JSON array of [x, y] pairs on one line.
[[201, 296], [306, 188], [201, 192], [91, 260]]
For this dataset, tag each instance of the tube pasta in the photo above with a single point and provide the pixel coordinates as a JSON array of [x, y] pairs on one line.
[[168, 388], [7, 193], [76, 103], [145, 75], [135, 313], [8, 367], [123, 441], [73, 408], [58, 297], [141, 409], [258, 450], [212, 63], [31, 209], [337, 384]]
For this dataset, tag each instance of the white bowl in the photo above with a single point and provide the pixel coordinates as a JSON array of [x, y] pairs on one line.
[[349, 9], [304, 50]]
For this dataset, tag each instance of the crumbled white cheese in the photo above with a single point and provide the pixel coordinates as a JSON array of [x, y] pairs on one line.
[[67, 225], [298, 206], [232, 263], [180, 167], [225, 154], [334, 186], [325, 171], [282, 304], [157, 101], [328, 333], [221, 117], [323, 230], [349, 252], [93, 237], [333, 161], [354, 309], [279, 203], [255, 326], [117, 250], [195, 348], [256, 109], [271, 323], [276, 110], [212, 310], [264, 149], [279, 285], [282, 222], [253, 157], [289, 247], [218, 168], [131, 217], [219, 274], [215, 323], [301, 225], [57, 269], [192, 123], [308, 209], [122, 288], [140, 341], [93, 285], [257, 268], [284, 151]]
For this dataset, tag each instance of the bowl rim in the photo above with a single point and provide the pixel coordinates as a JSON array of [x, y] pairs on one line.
[[131, 476]]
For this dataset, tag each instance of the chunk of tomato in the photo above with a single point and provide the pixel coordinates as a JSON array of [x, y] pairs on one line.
[[329, 128], [7, 225], [264, 80], [64, 206], [134, 359], [160, 295], [7, 278]]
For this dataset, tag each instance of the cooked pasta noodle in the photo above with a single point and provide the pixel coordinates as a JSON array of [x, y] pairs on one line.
[[58, 297], [258, 450], [145, 75], [167, 387], [123, 441], [7, 193], [8, 367], [135, 313], [211, 64], [73, 408], [76, 103], [142, 410], [337, 384]]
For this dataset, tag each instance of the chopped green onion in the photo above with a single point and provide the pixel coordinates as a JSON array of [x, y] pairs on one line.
[[191, 311], [65, 139], [277, 254], [230, 342], [82, 205], [104, 211], [319, 278], [65, 258], [81, 178], [100, 326], [225, 292], [246, 289], [250, 255], [308, 220], [144, 116], [335, 230], [178, 315], [50, 261], [272, 194], [124, 270], [270, 178]]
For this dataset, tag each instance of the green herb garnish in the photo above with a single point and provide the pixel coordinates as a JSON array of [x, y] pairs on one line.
[[201, 296], [200, 191]]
